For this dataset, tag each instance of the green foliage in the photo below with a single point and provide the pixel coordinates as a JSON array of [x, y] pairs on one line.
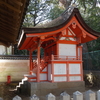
[[87, 4], [28, 21], [36, 13], [91, 60], [90, 10], [54, 2], [55, 12], [93, 18], [94, 45]]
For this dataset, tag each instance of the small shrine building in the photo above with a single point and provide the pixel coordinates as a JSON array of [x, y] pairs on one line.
[[62, 44]]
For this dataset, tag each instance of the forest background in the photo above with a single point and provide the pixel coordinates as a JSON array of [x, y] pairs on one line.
[[40, 12]]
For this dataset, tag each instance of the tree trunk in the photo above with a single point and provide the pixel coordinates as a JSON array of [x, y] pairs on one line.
[[66, 3]]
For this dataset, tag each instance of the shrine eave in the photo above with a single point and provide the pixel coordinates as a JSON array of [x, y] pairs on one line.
[[28, 33]]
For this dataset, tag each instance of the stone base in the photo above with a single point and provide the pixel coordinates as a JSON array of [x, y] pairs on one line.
[[44, 88]]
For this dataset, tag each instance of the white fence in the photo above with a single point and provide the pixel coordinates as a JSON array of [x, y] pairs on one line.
[[88, 95]]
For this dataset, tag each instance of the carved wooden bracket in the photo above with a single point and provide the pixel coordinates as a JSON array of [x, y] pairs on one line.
[[74, 25], [84, 34], [64, 32]]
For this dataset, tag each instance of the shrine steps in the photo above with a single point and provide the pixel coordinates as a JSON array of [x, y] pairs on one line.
[[31, 78], [21, 87], [20, 83]]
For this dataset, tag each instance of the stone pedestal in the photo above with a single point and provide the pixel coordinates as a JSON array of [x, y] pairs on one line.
[[17, 98], [90, 95], [77, 95], [50, 96], [44, 88], [98, 95], [34, 97], [64, 96], [1, 98]]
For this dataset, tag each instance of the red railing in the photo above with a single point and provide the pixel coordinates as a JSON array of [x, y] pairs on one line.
[[34, 63], [61, 57], [44, 61]]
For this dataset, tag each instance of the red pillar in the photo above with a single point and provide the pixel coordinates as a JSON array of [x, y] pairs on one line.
[[31, 62], [81, 52], [81, 69], [38, 62], [77, 52]]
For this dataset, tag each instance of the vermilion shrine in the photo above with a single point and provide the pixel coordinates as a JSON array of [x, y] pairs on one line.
[[62, 59]]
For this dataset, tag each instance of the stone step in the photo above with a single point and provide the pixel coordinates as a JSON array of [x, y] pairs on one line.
[[21, 83]]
